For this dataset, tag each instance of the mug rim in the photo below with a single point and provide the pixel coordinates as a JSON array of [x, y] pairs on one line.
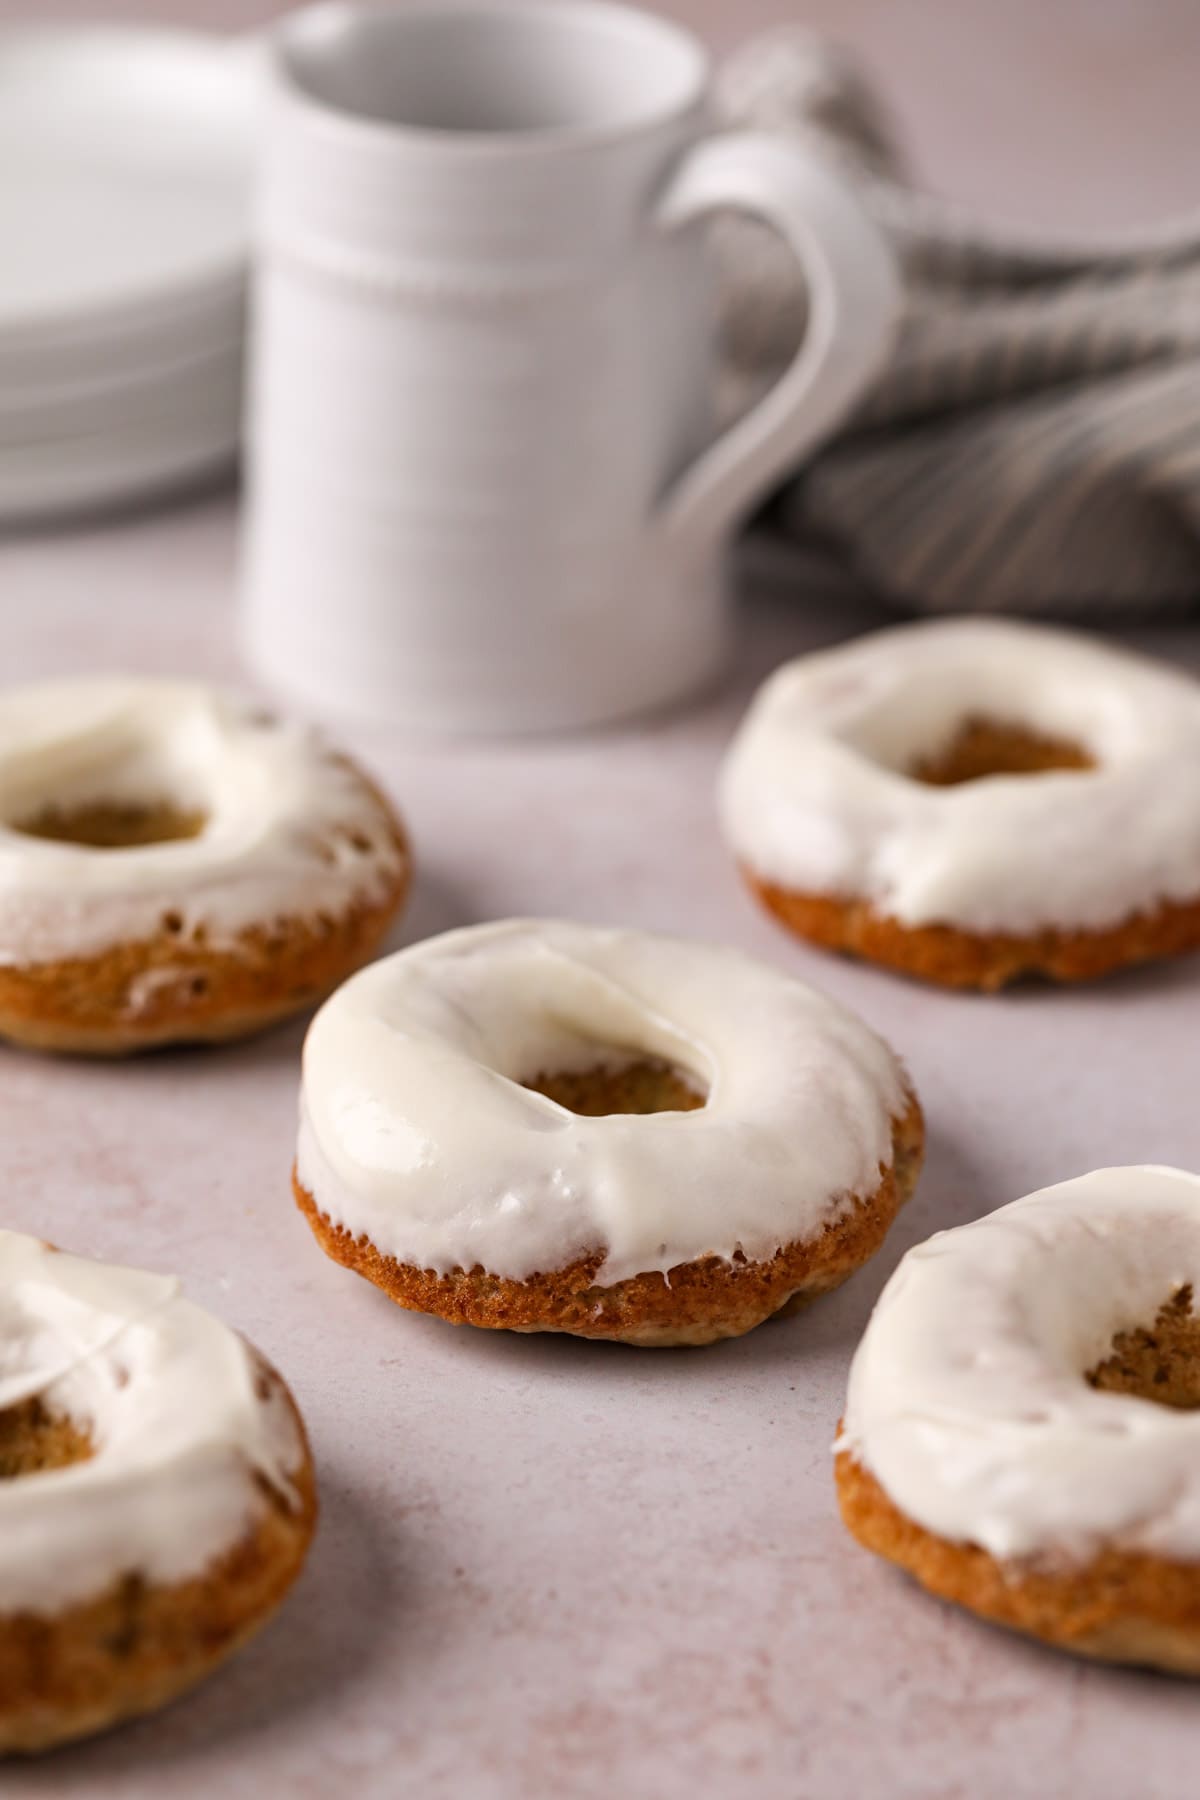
[[289, 32]]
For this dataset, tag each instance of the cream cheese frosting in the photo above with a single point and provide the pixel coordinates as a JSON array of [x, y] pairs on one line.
[[290, 828], [416, 1129], [182, 1425], [967, 1397], [815, 795]]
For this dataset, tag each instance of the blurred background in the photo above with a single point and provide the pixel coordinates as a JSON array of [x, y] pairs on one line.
[[1081, 111]]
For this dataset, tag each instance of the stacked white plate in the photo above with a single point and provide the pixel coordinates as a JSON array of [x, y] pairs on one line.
[[125, 161]]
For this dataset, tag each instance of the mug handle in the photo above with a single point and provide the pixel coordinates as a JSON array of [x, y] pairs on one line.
[[853, 310]]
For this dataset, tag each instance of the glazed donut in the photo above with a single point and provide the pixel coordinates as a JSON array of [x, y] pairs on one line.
[[176, 865], [540, 1126], [1016, 1433], [156, 1493], [973, 800]]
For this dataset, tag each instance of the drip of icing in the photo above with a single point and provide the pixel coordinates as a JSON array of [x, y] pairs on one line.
[[415, 1128], [286, 819], [814, 794], [179, 1430], [968, 1400]]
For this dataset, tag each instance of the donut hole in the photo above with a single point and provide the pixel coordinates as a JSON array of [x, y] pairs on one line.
[[980, 747], [1159, 1362], [645, 1086], [114, 825], [34, 1440]]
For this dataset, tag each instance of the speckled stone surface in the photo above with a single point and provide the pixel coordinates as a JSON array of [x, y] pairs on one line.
[[549, 1570], [555, 1571]]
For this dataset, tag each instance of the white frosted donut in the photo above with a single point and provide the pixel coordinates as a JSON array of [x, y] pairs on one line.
[[281, 811], [181, 1423], [291, 838], [418, 1135], [156, 1493], [817, 796], [967, 1398]]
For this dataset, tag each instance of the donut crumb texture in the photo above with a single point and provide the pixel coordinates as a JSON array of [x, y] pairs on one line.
[[33, 1439], [953, 958], [113, 825], [695, 1303], [1119, 1606], [645, 1086], [1160, 1362], [984, 747]]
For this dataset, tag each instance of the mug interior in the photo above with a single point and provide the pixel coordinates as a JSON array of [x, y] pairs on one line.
[[506, 70]]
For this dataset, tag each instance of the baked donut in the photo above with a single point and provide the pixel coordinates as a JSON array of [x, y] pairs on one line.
[[156, 1493], [540, 1126], [177, 864], [971, 800], [1020, 1432]]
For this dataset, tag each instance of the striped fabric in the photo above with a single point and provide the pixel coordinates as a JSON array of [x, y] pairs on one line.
[[1035, 444]]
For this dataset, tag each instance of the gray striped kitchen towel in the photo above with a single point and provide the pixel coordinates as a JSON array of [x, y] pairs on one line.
[[1034, 445]]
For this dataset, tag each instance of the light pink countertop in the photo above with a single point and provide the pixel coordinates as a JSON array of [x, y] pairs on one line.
[[548, 1570]]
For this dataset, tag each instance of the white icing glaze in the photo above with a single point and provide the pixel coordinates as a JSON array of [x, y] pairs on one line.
[[179, 1430], [415, 1128], [282, 809], [967, 1398], [814, 796]]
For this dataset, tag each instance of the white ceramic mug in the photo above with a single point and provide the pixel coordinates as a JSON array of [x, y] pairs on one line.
[[484, 494]]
